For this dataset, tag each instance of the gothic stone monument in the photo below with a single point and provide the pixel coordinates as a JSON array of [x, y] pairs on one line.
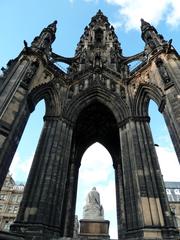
[[99, 99], [93, 225]]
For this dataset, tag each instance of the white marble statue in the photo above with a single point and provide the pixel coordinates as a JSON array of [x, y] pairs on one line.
[[93, 208]]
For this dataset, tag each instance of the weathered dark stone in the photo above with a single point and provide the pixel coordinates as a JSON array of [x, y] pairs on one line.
[[98, 99]]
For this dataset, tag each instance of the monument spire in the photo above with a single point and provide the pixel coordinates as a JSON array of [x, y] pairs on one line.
[[45, 39]]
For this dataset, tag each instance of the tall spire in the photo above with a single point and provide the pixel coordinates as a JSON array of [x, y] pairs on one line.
[[99, 34], [46, 38], [145, 26], [151, 37], [99, 44]]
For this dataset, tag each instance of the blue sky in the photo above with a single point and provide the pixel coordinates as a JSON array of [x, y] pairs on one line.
[[23, 20]]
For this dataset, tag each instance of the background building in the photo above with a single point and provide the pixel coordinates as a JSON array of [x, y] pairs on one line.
[[10, 198], [173, 193]]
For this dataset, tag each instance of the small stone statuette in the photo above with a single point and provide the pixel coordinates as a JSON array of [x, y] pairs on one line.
[[93, 208]]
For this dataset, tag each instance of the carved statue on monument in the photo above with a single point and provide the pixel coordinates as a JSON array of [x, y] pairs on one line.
[[93, 208]]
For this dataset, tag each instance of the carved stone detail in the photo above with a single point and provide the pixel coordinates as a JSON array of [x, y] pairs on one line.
[[97, 99]]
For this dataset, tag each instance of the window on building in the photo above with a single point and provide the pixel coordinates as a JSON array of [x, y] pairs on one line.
[[169, 195], [7, 224], [170, 198], [168, 191], [14, 198], [177, 191], [15, 209], [1, 208], [10, 209], [19, 198], [3, 197]]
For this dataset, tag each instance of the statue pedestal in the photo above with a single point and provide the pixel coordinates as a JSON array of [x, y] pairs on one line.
[[94, 229]]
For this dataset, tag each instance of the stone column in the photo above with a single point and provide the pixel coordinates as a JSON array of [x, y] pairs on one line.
[[12, 123], [14, 111], [121, 214], [129, 182], [153, 200], [11, 83], [171, 115], [146, 210], [168, 67], [41, 209], [70, 199]]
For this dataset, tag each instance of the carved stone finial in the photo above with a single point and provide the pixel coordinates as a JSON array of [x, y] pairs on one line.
[[52, 26], [99, 12], [25, 45], [144, 24]]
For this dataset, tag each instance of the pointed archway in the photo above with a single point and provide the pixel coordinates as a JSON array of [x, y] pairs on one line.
[[96, 170], [95, 123]]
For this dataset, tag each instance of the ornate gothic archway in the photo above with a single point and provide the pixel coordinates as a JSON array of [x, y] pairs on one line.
[[98, 99]]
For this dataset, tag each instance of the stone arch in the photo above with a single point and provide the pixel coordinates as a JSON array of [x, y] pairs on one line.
[[98, 123], [50, 95], [144, 93], [95, 120], [147, 92], [117, 105]]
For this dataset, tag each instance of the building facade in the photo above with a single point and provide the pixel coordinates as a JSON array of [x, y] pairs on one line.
[[10, 198], [173, 193], [99, 99]]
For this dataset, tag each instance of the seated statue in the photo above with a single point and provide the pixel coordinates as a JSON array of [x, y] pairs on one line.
[[93, 208]]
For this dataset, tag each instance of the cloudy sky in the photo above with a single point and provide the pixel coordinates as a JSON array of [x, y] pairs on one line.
[[21, 20]]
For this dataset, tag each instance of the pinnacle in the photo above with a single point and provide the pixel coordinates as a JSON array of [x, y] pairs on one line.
[[99, 12], [99, 15], [144, 24], [143, 21], [52, 26]]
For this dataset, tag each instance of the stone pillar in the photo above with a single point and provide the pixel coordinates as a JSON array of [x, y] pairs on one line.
[[169, 71], [121, 214], [13, 120], [156, 218], [11, 83], [70, 200], [14, 111], [127, 177], [41, 209], [171, 115]]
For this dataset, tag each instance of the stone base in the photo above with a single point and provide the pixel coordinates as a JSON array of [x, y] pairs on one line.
[[153, 234], [35, 231], [10, 236], [94, 229]]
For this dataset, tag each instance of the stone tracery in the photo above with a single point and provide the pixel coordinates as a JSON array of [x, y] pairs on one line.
[[98, 99]]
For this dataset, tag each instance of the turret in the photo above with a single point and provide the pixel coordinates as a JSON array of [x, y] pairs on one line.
[[45, 39], [153, 40], [99, 46]]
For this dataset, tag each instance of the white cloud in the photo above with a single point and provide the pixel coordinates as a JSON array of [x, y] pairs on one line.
[[20, 168], [153, 11], [108, 197], [174, 15], [95, 164], [169, 164]]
